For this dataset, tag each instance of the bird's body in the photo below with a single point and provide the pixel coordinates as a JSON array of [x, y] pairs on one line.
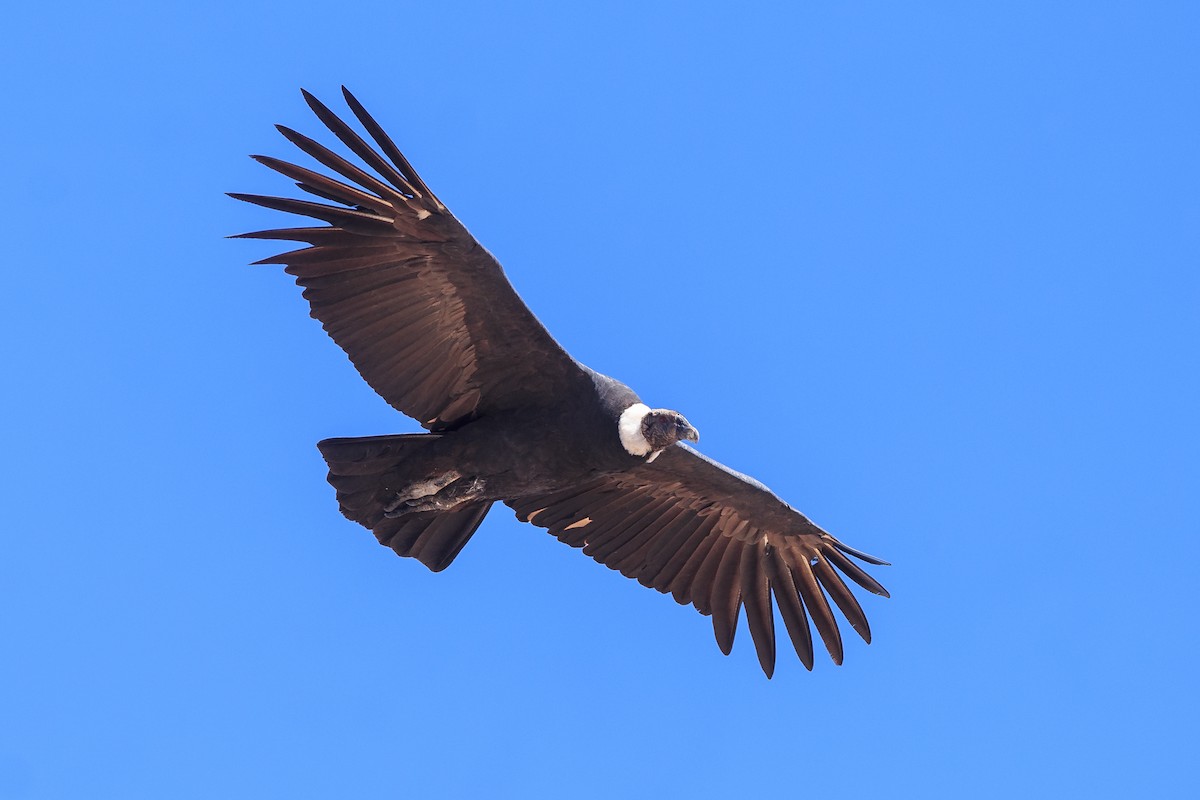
[[431, 322], [520, 452]]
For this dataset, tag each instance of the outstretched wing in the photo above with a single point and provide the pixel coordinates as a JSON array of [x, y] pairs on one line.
[[424, 312], [719, 540]]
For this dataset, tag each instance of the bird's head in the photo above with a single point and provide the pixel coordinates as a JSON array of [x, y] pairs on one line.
[[662, 428], [648, 431]]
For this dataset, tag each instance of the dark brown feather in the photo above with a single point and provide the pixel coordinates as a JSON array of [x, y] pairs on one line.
[[344, 218], [756, 597], [328, 187], [310, 235], [816, 603], [675, 568], [630, 558], [388, 147], [360, 148], [790, 607], [649, 517], [324, 195], [700, 593], [387, 194], [685, 579], [666, 546], [586, 536], [440, 543], [836, 589], [725, 599], [856, 573], [596, 502]]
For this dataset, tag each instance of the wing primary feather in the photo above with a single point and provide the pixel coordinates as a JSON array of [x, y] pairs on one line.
[[859, 554], [756, 596], [286, 258], [355, 142], [726, 598], [322, 234], [844, 598], [856, 573], [388, 147], [324, 186], [818, 606], [790, 607], [345, 218], [338, 164], [325, 195]]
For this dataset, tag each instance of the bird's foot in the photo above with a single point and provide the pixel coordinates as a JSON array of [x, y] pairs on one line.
[[420, 490], [453, 495]]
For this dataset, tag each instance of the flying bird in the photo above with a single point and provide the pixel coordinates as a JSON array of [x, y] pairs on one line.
[[432, 324]]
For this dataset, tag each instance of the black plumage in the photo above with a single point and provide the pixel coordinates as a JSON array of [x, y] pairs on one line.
[[430, 321]]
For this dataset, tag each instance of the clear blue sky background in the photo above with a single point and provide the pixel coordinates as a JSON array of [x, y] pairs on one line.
[[928, 271]]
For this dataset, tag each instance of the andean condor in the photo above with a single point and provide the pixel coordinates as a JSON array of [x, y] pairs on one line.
[[430, 321]]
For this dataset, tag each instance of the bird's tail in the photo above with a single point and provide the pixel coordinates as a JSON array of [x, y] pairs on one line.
[[366, 472]]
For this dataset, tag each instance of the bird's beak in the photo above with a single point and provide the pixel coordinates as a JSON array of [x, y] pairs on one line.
[[690, 434]]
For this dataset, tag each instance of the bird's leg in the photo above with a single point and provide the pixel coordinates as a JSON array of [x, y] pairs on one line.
[[418, 490], [454, 494]]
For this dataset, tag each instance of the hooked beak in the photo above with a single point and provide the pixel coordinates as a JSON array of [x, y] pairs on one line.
[[689, 433]]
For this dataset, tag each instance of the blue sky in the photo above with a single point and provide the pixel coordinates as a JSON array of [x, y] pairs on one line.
[[927, 270]]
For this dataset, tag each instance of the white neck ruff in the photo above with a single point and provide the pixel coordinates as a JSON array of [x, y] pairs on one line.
[[630, 428]]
